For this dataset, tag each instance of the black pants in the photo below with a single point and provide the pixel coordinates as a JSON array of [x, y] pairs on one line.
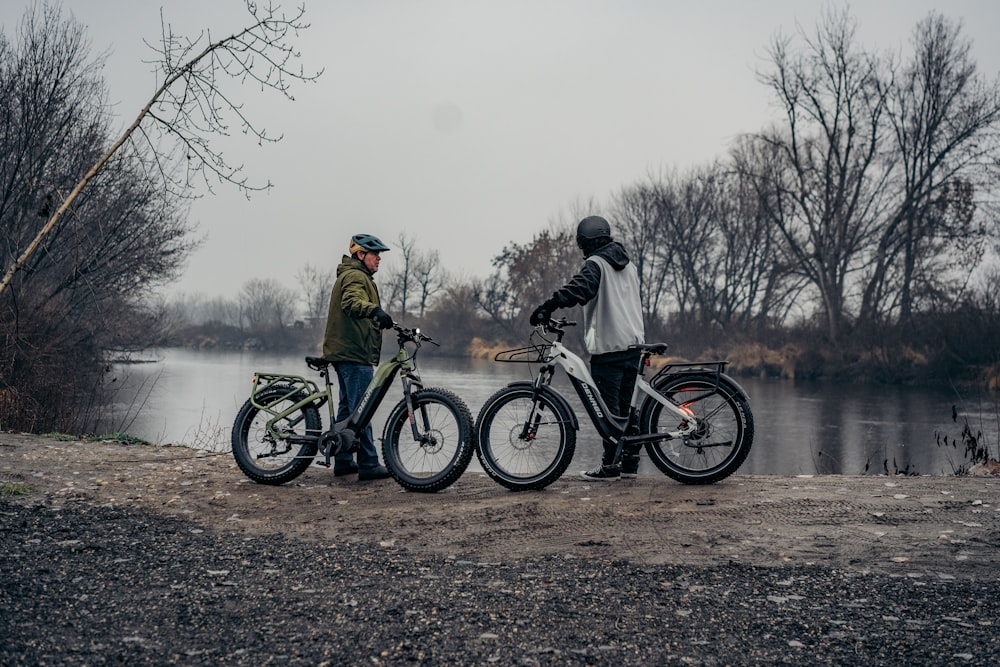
[[614, 374]]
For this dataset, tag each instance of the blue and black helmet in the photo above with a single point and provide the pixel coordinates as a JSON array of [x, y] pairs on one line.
[[368, 243]]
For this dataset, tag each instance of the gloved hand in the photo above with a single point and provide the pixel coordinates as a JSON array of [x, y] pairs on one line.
[[382, 318], [542, 314]]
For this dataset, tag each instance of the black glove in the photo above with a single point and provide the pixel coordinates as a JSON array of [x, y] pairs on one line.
[[543, 313], [382, 318]]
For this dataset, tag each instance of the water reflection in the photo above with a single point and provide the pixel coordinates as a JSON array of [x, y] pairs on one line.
[[801, 428]]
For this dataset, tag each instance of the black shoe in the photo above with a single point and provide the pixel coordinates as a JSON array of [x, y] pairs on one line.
[[603, 473], [378, 472], [340, 471]]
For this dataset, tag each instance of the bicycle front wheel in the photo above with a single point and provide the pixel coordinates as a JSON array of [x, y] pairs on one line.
[[264, 458], [431, 448], [722, 440], [523, 441]]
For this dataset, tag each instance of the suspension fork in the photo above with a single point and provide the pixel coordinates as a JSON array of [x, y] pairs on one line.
[[418, 415], [530, 427]]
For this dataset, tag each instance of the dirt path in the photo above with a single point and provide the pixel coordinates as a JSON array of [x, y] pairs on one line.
[[945, 525]]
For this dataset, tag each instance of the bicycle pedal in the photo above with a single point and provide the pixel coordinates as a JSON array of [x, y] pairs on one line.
[[327, 453], [325, 464]]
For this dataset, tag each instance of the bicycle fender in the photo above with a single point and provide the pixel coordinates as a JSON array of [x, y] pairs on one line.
[[556, 398], [694, 370], [737, 386]]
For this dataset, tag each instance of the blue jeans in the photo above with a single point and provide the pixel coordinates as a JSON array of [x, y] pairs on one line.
[[353, 379]]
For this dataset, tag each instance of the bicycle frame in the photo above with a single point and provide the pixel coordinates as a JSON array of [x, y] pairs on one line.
[[342, 434], [608, 426]]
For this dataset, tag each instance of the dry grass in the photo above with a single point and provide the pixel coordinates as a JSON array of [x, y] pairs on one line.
[[992, 377], [481, 349]]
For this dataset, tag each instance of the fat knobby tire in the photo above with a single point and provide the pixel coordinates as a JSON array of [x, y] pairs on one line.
[[498, 465], [734, 410], [453, 464], [242, 435]]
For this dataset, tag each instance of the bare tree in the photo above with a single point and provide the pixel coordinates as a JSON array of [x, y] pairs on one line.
[[87, 229], [266, 305], [189, 106], [704, 246], [125, 232], [944, 122], [429, 279], [531, 272], [760, 284], [413, 280], [316, 285], [455, 320], [398, 280], [218, 310], [828, 190], [493, 297], [638, 213], [78, 297], [197, 310], [690, 224]]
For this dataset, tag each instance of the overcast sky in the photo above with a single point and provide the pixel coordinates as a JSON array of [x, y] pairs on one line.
[[469, 124]]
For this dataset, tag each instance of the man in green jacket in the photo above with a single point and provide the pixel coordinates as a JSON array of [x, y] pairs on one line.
[[353, 342]]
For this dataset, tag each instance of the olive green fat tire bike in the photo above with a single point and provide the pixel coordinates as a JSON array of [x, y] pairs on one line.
[[693, 420], [427, 441]]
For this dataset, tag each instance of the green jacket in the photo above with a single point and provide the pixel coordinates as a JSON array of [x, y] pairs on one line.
[[351, 334]]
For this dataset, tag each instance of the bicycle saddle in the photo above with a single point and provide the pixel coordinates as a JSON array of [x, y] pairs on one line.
[[655, 348], [317, 363]]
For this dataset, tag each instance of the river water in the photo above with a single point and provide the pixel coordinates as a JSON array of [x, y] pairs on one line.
[[191, 397]]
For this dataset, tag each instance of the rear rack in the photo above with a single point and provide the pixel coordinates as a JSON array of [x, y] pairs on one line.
[[711, 366], [290, 384], [716, 368]]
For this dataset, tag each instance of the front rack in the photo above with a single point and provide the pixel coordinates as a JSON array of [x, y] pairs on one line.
[[533, 354]]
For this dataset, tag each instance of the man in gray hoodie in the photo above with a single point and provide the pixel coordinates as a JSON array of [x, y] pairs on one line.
[[607, 286]]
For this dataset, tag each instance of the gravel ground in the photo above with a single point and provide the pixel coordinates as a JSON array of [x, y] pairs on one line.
[[109, 572], [89, 585]]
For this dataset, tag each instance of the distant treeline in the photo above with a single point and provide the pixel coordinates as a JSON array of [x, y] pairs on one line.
[[958, 346], [955, 345]]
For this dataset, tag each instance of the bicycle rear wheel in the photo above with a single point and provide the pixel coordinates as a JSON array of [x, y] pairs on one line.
[[523, 441], [722, 441], [263, 458], [441, 452]]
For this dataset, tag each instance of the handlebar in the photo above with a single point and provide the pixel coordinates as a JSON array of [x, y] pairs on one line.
[[412, 335], [558, 327]]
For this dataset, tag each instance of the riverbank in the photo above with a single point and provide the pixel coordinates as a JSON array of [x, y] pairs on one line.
[[153, 555]]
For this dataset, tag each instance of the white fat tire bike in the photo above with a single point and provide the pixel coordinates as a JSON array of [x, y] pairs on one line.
[[693, 420]]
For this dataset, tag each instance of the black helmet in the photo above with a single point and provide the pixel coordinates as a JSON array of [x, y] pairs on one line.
[[368, 243], [591, 228]]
